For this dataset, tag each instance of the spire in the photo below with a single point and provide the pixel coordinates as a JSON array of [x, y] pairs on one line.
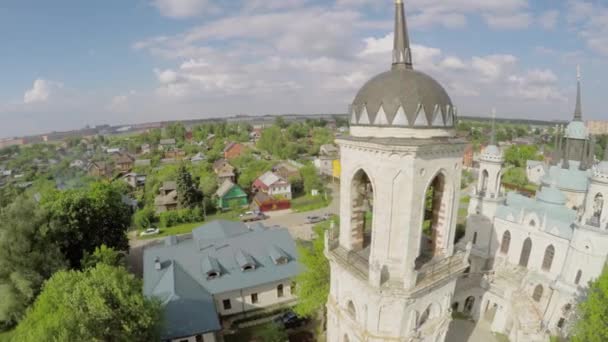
[[493, 134], [606, 154], [578, 111], [402, 54]]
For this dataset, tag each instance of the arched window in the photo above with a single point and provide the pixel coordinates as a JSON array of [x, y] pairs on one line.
[[484, 181], [468, 304], [346, 339], [598, 206], [424, 317], [532, 223], [280, 291], [525, 253], [577, 279], [362, 209], [475, 238], [351, 310], [548, 259], [538, 293], [432, 224], [506, 242]]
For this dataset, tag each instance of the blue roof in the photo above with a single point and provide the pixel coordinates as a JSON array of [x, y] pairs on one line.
[[559, 218], [221, 246], [567, 179]]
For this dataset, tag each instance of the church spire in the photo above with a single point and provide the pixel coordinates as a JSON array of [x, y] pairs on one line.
[[578, 111], [402, 54]]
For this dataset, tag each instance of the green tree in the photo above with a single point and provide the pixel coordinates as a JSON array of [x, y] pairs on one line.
[[28, 257], [313, 284], [279, 121], [103, 255], [188, 194], [311, 179], [518, 155], [84, 219], [176, 131], [592, 314], [104, 303], [145, 218], [516, 176]]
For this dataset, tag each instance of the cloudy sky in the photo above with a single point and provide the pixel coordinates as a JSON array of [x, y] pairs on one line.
[[68, 63]]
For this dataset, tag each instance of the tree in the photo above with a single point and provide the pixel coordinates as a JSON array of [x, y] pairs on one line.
[[28, 256], [272, 140], [518, 155], [188, 194], [313, 284], [145, 217], [176, 131], [592, 322], [104, 303], [516, 176], [310, 179], [103, 255], [84, 219], [279, 121]]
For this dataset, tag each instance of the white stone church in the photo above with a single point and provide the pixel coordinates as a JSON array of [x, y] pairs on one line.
[[396, 274]]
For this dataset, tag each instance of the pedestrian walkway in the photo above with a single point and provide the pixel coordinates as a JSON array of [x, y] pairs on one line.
[[469, 331]]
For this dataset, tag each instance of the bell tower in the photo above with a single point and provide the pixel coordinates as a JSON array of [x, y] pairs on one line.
[[393, 263]]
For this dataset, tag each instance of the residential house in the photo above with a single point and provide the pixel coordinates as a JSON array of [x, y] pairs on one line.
[[100, 169], [264, 202], [199, 157], [167, 197], [286, 170], [167, 161], [123, 162], [272, 185], [467, 159], [113, 150], [176, 153], [224, 171], [78, 164], [167, 144], [325, 162], [134, 180], [224, 269], [255, 134], [230, 195], [233, 150], [146, 149]]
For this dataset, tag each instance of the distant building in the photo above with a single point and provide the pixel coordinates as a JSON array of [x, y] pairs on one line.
[[469, 152], [325, 162], [597, 127], [286, 170], [264, 202], [230, 195], [146, 148], [12, 142], [255, 134], [272, 185], [175, 153], [224, 269], [167, 144], [135, 180], [78, 164], [199, 157], [223, 170], [167, 197], [124, 162], [233, 150], [100, 169]]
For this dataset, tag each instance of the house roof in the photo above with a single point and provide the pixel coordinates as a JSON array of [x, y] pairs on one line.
[[167, 141], [231, 245], [568, 179], [169, 185], [269, 178], [225, 188], [188, 308], [231, 146]]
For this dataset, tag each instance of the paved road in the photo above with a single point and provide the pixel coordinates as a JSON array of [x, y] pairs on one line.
[[294, 222], [468, 331]]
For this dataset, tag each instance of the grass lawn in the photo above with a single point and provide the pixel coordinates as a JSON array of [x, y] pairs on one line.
[[247, 334], [188, 227], [308, 203], [5, 336]]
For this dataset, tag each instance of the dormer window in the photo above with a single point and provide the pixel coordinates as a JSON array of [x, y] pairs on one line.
[[245, 261], [278, 256], [248, 267], [211, 267], [212, 275]]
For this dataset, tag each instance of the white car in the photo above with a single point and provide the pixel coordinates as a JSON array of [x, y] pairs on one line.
[[150, 231]]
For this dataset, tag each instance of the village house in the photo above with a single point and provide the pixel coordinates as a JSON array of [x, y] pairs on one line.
[[264, 202], [78, 164], [99, 169], [143, 162], [146, 148], [134, 180], [230, 195], [255, 134], [328, 154], [224, 171], [224, 269], [272, 185], [167, 197], [286, 170], [197, 158], [233, 150], [176, 153], [123, 162]]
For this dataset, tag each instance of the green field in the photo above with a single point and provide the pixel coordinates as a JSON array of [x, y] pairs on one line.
[[309, 203]]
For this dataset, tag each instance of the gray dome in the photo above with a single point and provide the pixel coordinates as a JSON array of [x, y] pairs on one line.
[[492, 150], [416, 92]]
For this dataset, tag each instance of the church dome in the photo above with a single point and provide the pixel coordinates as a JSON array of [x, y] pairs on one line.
[[403, 97], [576, 130], [551, 195]]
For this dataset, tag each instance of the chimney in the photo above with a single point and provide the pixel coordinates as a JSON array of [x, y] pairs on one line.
[[157, 264]]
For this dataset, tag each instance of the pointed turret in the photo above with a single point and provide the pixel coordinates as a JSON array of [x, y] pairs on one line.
[[402, 54], [578, 111], [493, 134]]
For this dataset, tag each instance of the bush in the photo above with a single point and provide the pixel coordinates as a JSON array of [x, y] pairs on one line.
[[144, 218], [173, 218]]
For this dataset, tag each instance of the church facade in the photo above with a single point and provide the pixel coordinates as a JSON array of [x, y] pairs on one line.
[[531, 258], [394, 266]]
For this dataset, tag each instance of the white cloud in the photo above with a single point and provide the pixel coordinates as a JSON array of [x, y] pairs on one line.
[[454, 63], [493, 67], [508, 21], [40, 91], [591, 21], [184, 8], [548, 19]]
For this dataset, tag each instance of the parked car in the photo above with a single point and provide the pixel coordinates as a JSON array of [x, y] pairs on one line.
[[314, 219], [253, 217], [290, 320], [150, 231]]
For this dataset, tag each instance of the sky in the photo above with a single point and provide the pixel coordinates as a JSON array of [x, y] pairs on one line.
[[65, 64]]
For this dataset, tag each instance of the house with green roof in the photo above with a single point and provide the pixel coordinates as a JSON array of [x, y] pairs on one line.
[[230, 195], [225, 269]]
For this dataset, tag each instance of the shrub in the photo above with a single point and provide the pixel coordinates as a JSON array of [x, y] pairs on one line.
[[144, 218], [173, 218]]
